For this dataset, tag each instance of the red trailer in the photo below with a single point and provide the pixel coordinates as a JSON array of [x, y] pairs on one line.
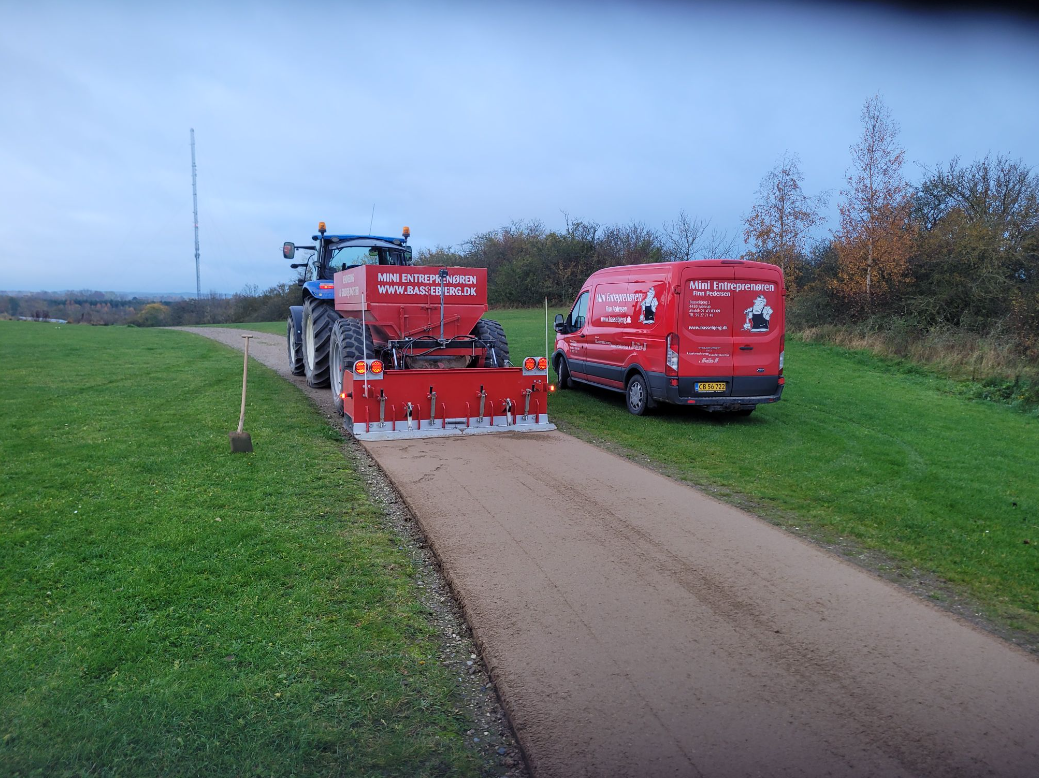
[[413, 357]]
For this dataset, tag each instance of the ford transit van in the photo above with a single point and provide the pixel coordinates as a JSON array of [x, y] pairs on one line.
[[707, 333]]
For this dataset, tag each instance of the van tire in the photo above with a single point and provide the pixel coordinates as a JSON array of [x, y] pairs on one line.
[[636, 395], [563, 373]]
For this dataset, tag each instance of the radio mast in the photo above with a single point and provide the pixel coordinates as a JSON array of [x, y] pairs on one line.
[[194, 198]]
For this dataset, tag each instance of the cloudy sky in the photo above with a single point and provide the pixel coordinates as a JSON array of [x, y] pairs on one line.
[[453, 118]]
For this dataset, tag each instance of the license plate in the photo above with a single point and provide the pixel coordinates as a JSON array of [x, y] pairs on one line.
[[710, 387]]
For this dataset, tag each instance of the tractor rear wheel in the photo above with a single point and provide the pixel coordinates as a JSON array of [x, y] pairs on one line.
[[295, 349], [493, 334], [318, 318], [350, 341]]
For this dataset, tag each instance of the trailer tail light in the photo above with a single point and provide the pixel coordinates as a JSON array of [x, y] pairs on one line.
[[671, 368], [360, 367], [376, 367], [535, 366]]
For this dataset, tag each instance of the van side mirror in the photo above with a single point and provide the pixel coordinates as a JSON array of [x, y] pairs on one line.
[[560, 325], [288, 250]]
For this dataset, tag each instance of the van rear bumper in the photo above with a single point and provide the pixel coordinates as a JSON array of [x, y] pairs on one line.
[[662, 391]]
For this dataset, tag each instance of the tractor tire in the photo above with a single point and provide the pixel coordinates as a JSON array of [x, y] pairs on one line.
[[318, 318], [350, 341], [295, 350], [493, 334], [563, 373]]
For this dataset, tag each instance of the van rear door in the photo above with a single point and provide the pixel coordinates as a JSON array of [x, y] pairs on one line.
[[758, 326], [705, 319]]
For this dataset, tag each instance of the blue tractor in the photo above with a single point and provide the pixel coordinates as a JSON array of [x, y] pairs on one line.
[[310, 324]]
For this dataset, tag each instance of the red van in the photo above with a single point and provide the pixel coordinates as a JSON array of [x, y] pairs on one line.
[[707, 333]]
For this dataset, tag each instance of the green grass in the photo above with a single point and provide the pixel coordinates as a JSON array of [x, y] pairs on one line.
[[860, 448], [274, 327], [169, 608]]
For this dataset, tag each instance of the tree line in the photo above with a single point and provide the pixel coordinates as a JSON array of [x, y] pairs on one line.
[[959, 250]]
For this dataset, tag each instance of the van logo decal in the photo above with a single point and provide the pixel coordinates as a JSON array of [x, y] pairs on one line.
[[648, 312], [758, 315]]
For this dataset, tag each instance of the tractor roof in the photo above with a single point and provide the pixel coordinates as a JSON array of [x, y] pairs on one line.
[[378, 241]]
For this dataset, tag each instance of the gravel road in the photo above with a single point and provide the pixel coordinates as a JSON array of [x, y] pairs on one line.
[[635, 626]]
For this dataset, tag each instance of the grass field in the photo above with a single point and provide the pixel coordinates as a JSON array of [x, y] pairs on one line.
[[274, 327], [167, 608], [860, 448], [872, 453]]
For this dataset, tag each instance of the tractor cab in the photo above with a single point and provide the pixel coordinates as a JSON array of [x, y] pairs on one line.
[[333, 253], [354, 252]]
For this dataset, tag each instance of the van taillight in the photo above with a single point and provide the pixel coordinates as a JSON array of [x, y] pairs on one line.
[[782, 351], [671, 368]]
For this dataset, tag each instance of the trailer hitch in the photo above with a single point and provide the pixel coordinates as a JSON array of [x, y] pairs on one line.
[[408, 408], [526, 401], [508, 412]]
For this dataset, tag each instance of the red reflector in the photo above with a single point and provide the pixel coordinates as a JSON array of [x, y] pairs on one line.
[[360, 368], [782, 381], [530, 363], [674, 382], [543, 363], [326, 286], [376, 366]]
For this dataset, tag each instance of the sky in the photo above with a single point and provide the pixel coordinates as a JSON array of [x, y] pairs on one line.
[[454, 119]]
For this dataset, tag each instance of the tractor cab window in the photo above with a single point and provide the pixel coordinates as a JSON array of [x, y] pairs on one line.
[[580, 310], [352, 256]]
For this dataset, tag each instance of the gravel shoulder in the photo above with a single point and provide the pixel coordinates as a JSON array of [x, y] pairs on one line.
[[635, 626]]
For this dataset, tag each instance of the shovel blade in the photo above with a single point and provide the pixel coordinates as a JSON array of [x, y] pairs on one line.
[[241, 443]]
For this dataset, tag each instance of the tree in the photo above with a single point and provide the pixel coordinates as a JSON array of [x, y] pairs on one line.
[[874, 242], [153, 315], [977, 250], [683, 239], [778, 226]]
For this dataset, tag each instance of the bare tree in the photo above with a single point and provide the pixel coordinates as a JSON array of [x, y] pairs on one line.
[[684, 239], [717, 245], [874, 243], [681, 237], [779, 224]]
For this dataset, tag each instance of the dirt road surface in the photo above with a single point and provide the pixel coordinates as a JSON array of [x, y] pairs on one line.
[[635, 626]]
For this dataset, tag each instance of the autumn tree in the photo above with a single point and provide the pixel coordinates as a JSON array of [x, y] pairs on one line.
[[874, 242], [779, 224]]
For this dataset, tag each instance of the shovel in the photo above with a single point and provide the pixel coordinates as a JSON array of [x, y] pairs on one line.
[[241, 442]]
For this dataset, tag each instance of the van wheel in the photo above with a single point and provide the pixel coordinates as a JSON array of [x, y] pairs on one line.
[[637, 395], [563, 371]]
